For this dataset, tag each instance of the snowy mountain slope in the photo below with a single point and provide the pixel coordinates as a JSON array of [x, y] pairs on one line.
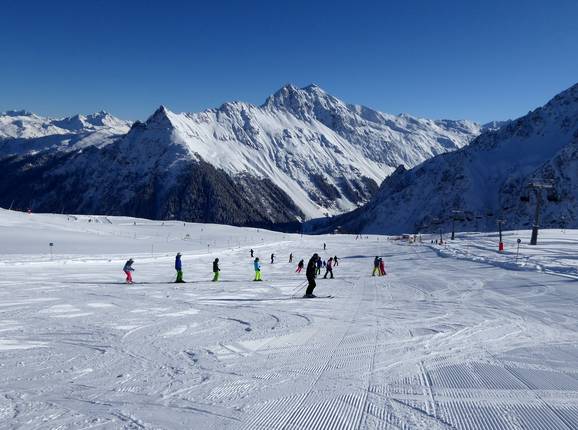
[[23, 132], [486, 179], [326, 155], [302, 154]]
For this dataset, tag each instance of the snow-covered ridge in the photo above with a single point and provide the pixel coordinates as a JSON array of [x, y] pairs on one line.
[[22, 132], [26, 125]]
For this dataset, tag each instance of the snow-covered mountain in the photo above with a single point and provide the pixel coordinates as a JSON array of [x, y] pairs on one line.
[[22, 132], [487, 180], [302, 154]]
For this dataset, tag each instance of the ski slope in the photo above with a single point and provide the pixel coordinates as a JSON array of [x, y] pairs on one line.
[[441, 342]]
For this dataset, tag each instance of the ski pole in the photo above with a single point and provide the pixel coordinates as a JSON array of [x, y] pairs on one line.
[[301, 285], [299, 288]]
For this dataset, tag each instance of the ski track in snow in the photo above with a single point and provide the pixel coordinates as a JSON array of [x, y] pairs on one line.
[[439, 343]]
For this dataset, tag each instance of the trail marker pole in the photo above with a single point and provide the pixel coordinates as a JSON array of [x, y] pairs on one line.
[[518, 250], [50, 245]]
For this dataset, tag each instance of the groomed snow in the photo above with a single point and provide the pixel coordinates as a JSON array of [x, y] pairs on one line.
[[438, 343]]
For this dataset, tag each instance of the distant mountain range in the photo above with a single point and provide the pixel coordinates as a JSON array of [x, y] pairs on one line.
[[302, 154], [484, 181], [24, 133]]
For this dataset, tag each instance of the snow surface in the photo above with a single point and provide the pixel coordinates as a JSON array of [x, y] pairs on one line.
[[556, 252], [438, 343]]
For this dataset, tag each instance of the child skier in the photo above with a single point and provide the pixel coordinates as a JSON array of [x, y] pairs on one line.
[[216, 270], [257, 266], [179, 269], [300, 266], [318, 264], [375, 266], [127, 270], [381, 267], [329, 268]]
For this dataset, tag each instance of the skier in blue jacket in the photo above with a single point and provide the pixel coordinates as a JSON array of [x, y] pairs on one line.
[[257, 266], [179, 268]]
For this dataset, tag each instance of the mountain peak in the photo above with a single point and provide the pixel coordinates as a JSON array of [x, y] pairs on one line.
[[314, 88], [161, 118], [301, 102], [161, 111]]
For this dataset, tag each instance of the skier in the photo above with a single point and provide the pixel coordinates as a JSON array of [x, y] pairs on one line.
[[291, 258], [251, 253], [216, 270], [179, 269], [375, 266], [257, 266], [381, 267], [310, 273], [300, 266], [335, 261], [324, 246], [272, 258], [127, 270], [329, 268], [318, 264]]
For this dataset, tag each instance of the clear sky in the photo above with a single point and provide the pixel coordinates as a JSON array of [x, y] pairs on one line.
[[480, 60]]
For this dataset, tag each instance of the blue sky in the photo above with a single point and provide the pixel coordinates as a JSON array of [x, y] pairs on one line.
[[433, 58]]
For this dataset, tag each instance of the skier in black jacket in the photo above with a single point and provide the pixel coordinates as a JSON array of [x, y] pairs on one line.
[[310, 273]]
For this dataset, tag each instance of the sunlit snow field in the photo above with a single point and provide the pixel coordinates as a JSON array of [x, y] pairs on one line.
[[457, 336]]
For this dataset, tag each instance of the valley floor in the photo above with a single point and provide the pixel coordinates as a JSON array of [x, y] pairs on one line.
[[438, 343]]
